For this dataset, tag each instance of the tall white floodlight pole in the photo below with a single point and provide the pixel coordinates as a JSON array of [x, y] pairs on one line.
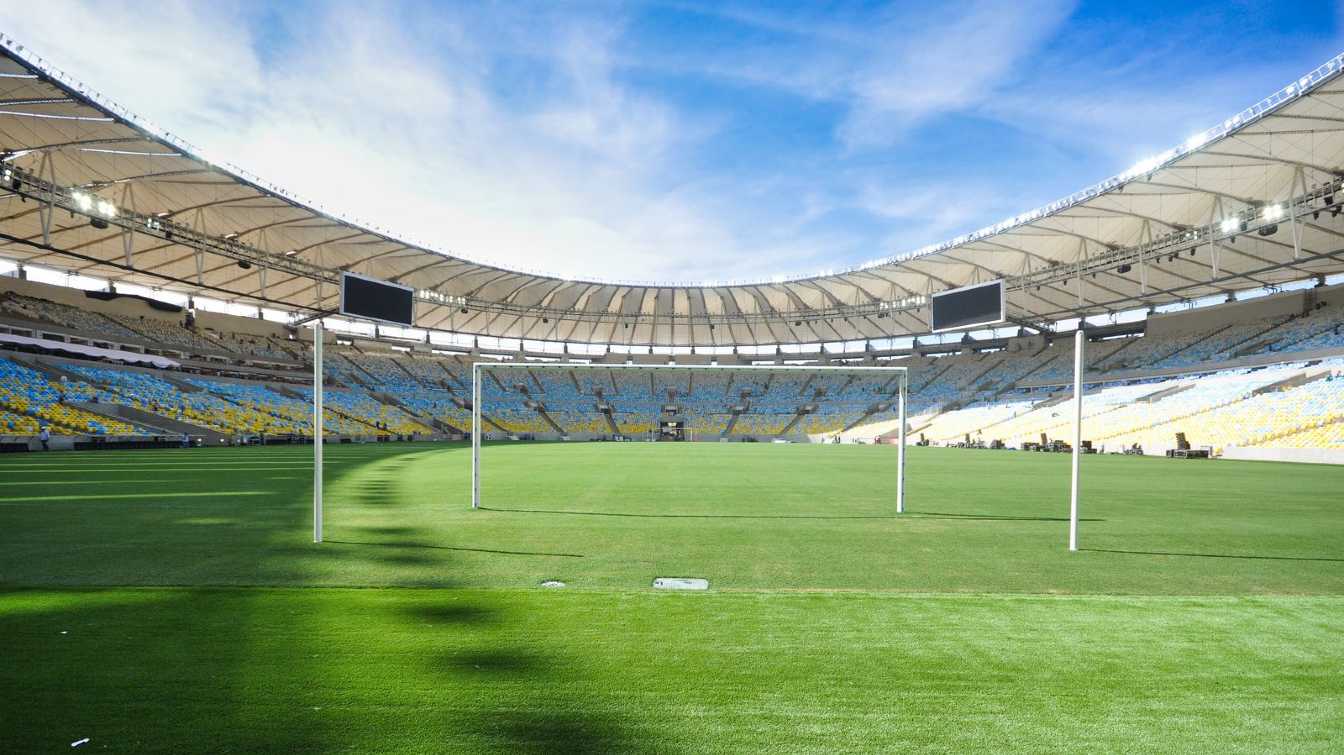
[[317, 432], [1078, 341], [475, 435], [900, 448]]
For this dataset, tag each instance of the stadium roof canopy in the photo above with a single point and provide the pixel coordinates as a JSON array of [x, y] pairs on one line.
[[1252, 202]]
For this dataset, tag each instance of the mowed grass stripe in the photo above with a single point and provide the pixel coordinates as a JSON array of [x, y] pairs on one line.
[[133, 496], [132, 469], [124, 481], [196, 464]]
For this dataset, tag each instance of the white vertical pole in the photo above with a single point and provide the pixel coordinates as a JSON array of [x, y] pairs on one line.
[[476, 435], [900, 439], [1078, 341], [317, 432]]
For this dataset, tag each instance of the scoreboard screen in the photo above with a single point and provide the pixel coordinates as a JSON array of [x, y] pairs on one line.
[[373, 299], [969, 307]]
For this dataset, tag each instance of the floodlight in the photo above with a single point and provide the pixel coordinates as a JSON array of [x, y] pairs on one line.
[[107, 209], [1272, 212], [82, 200], [1228, 225]]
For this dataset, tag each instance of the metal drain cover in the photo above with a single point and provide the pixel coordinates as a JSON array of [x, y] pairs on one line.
[[680, 583]]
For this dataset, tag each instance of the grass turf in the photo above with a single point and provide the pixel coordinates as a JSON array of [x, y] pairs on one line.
[[1206, 610]]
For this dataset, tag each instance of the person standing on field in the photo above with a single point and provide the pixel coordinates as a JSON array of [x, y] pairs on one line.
[[44, 435]]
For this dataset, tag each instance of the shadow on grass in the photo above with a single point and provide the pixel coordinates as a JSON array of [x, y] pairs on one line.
[[452, 613], [258, 669], [233, 667], [458, 548], [1215, 555], [561, 731], [911, 514]]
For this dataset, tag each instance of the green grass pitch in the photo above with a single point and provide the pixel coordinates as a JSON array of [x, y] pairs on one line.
[[173, 601]]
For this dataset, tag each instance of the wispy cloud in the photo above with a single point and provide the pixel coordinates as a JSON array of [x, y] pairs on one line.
[[565, 180], [949, 63], [888, 71]]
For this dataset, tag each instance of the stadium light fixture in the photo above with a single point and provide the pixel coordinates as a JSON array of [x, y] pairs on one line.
[[1228, 225], [82, 201], [1272, 212], [107, 209]]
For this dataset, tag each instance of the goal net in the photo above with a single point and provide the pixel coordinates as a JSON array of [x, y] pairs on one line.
[[682, 403]]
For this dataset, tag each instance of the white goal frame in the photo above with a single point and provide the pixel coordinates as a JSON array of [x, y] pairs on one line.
[[903, 389]]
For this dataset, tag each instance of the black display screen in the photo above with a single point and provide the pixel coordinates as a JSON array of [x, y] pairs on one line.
[[968, 307], [376, 300]]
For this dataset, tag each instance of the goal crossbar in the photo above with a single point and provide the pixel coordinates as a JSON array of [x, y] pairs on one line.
[[900, 373]]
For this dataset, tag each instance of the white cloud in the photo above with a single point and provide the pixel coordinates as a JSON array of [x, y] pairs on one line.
[[408, 131], [939, 62]]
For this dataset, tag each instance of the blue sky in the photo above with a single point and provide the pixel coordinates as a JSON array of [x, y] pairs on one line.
[[682, 141]]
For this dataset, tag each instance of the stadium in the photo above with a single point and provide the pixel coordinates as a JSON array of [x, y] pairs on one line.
[[278, 479]]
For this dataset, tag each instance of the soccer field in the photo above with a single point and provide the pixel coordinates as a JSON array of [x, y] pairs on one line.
[[172, 600]]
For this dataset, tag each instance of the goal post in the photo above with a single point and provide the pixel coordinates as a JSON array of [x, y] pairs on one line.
[[895, 388]]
